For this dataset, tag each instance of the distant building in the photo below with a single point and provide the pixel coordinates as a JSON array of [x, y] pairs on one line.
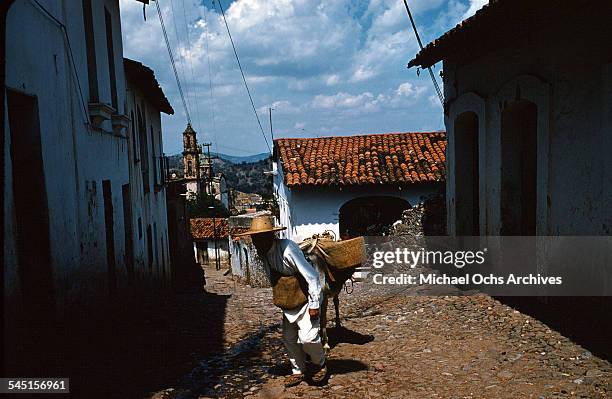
[[528, 88], [354, 185], [242, 202], [191, 161], [210, 239], [217, 187]]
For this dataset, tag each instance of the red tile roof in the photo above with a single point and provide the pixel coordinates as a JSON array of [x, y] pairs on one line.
[[390, 158], [202, 228]]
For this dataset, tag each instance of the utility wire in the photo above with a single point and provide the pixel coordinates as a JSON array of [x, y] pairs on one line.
[[193, 90], [180, 61], [416, 33], [210, 82], [243, 78], [178, 81], [76, 75]]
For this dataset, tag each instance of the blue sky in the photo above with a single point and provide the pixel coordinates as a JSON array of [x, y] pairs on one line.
[[334, 67]]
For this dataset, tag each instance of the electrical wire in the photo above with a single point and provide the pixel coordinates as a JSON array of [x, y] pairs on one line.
[[180, 60], [243, 78], [416, 33], [76, 75], [178, 81], [210, 82], [190, 61]]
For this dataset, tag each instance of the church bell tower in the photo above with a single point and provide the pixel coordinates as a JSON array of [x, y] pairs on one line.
[[191, 160]]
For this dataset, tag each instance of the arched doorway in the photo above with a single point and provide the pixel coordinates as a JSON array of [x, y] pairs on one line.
[[370, 216]]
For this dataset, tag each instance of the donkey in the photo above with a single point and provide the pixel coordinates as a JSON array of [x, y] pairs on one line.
[[330, 288]]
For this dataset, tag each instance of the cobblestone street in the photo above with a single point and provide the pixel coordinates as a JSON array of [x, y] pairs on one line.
[[396, 345]]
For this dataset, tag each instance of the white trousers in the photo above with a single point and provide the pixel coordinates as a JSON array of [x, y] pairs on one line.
[[301, 337]]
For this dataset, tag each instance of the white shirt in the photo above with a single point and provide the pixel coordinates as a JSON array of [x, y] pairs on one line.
[[286, 257]]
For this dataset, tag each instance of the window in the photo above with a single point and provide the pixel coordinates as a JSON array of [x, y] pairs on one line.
[[109, 225], [92, 69], [134, 139], [111, 58], [154, 158], [144, 149]]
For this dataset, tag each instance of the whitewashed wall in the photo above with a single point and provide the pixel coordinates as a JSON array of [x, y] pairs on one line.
[[149, 207], [308, 211], [574, 166], [76, 157]]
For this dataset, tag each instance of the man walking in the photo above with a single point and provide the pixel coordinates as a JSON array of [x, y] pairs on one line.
[[282, 257]]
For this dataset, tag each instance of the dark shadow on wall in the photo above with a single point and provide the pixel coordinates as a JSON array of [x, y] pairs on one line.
[[584, 320]]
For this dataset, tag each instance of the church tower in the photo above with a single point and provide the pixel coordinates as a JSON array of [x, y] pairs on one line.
[[191, 160]]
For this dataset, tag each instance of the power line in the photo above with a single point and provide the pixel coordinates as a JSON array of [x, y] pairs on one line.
[[76, 75], [181, 62], [193, 91], [243, 78], [178, 81], [210, 83], [416, 33]]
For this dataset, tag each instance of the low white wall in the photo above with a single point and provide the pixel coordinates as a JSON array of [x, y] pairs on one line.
[[310, 211]]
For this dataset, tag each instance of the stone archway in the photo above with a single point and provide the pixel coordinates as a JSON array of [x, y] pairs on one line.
[[370, 216]]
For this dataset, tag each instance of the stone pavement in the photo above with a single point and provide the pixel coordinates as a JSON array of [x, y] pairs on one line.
[[395, 345]]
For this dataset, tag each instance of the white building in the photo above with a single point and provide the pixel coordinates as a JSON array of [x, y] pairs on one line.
[[529, 118], [218, 188], [66, 138], [210, 240], [146, 222], [354, 185]]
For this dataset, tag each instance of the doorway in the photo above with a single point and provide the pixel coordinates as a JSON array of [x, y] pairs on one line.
[[128, 232], [519, 169], [467, 179], [370, 216], [31, 208], [109, 225]]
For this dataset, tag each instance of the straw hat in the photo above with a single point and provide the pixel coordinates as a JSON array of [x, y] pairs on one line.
[[261, 224]]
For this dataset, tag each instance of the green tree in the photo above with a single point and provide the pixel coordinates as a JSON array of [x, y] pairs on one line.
[[199, 205]]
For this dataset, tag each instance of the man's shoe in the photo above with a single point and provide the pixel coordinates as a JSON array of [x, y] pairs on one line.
[[293, 380], [320, 375]]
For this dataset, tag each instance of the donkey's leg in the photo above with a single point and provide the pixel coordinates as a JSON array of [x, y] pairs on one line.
[[323, 323], [337, 306]]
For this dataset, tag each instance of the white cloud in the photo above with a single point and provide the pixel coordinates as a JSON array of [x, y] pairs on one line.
[[342, 100], [332, 80], [280, 107], [474, 6], [335, 57], [366, 102]]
